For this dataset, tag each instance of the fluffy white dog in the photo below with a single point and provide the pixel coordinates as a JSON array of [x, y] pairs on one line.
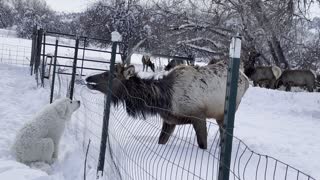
[[38, 140]]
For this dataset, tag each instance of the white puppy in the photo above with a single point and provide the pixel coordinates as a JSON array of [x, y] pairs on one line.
[[38, 140]]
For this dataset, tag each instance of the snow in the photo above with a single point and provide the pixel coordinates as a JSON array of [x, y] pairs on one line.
[[314, 10], [7, 33], [282, 124], [20, 99], [116, 36]]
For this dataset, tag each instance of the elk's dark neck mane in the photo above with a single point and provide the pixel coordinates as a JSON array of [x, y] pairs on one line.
[[142, 96]]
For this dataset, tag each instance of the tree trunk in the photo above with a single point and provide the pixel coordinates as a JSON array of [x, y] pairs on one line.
[[2, 22], [275, 46], [279, 51], [273, 53]]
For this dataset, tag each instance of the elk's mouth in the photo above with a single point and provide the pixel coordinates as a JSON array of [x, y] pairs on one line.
[[91, 85]]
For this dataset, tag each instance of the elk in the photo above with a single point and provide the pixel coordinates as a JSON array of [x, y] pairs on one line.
[[146, 62], [267, 75], [173, 63], [185, 95], [299, 78]]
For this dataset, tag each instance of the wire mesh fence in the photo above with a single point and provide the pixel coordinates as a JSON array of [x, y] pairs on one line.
[[15, 54], [133, 151]]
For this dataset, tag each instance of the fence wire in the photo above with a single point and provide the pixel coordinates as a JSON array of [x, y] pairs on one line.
[[133, 151], [15, 54]]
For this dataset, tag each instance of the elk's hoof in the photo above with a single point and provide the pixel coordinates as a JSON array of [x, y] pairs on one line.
[[202, 146]]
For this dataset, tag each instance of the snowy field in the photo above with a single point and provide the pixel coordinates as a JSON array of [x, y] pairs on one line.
[[277, 123]]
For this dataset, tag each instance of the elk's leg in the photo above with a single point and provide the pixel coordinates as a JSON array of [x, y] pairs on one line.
[[310, 88], [267, 86], [288, 87], [220, 123], [201, 131], [272, 83], [166, 131], [254, 83]]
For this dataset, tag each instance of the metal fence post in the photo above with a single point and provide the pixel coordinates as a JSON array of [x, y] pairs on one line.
[[74, 68], [38, 54], [116, 37], [83, 53], [33, 48], [230, 108], [54, 70], [43, 58]]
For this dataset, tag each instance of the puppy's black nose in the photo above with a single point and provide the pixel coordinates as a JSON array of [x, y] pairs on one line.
[[78, 102]]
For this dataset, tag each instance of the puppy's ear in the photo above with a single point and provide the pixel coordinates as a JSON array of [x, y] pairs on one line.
[[62, 109]]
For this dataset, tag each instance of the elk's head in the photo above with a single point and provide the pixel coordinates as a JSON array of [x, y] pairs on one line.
[[100, 82]]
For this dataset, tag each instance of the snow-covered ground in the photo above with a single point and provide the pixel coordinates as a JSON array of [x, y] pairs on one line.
[[282, 124], [20, 99]]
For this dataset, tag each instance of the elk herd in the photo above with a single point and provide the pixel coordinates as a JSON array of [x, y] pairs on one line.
[[263, 76], [273, 77]]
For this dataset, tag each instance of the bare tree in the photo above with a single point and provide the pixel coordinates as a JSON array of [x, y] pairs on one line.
[[127, 17], [6, 19]]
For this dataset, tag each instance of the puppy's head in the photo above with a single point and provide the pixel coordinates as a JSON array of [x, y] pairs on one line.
[[65, 107]]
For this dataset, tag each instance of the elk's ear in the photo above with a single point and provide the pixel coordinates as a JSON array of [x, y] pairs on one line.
[[129, 72], [118, 68]]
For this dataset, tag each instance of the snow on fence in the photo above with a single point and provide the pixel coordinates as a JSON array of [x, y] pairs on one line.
[[133, 152]]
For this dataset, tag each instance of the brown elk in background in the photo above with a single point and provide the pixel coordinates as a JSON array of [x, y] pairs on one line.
[[266, 75], [300, 78], [146, 62]]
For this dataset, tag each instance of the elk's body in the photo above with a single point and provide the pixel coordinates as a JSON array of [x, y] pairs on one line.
[[263, 75], [173, 63], [146, 62], [299, 78], [186, 95]]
